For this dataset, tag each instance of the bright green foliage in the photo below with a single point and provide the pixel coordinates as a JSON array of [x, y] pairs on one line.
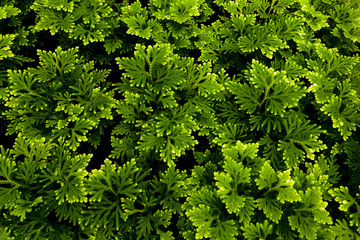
[[233, 119], [346, 201], [313, 17], [33, 186], [5, 44], [344, 120], [63, 97], [72, 168], [138, 22], [158, 79], [279, 188], [67, 173], [346, 17], [13, 38], [152, 65], [172, 185], [88, 21], [268, 88], [332, 61], [245, 153], [311, 214], [166, 21], [206, 215], [228, 134], [178, 11], [232, 184], [299, 140], [261, 39], [258, 231], [183, 11], [111, 185], [300, 133], [203, 175], [341, 107], [201, 79], [282, 184], [342, 231], [209, 43], [8, 11], [123, 148], [8, 169], [321, 86]]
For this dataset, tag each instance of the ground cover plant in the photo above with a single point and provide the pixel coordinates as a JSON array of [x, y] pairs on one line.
[[190, 119]]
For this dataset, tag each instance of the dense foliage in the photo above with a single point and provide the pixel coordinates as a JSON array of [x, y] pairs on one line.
[[192, 119]]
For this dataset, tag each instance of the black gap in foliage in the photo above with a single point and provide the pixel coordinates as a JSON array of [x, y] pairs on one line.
[[101, 152], [186, 161], [45, 41], [203, 144], [96, 52], [6, 141], [115, 77], [173, 226], [218, 12], [193, 53]]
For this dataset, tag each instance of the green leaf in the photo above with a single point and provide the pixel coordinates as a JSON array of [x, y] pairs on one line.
[[86, 35], [141, 26], [167, 99], [345, 120], [8, 11], [224, 230], [271, 208], [176, 144], [322, 86], [334, 61], [71, 211], [241, 151], [111, 45], [267, 177], [9, 194], [286, 189], [201, 79], [228, 134], [300, 134], [173, 184], [123, 148], [257, 231], [72, 190], [184, 10], [245, 213], [306, 226], [346, 201], [235, 176], [78, 132], [248, 98], [59, 61], [268, 88], [151, 141], [311, 214], [315, 19], [121, 177], [50, 19], [262, 39], [202, 219], [107, 187], [5, 43], [24, 207], [342, 231]]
